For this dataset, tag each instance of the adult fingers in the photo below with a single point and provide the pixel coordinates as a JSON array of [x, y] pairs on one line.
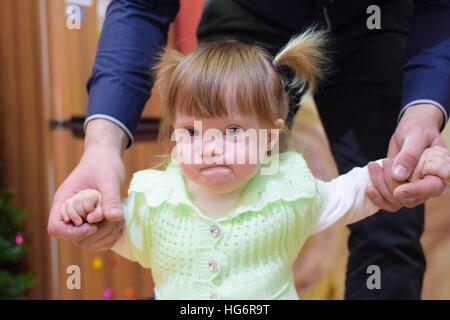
[[378, 200], [107, 234], [378, 192], [413, 202], [394, 147], [414, 145], [406, 160], [429, 186], [112, 207], [68, 231], [390, 183], [374, 195]]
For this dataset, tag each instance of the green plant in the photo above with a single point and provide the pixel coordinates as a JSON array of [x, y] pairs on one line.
[[14, 279]]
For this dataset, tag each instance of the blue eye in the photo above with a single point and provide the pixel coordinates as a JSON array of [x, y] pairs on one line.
[[192, 132], [232, 131]]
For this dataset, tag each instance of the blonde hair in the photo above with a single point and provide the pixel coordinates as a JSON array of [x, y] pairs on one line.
[[223, 77]]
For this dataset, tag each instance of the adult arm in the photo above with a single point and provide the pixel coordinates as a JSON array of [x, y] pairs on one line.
[[425, 105], [133, 35], [119, 86], [101, 168]]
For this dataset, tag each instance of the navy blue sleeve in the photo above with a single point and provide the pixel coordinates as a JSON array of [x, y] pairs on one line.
[[427, 68], [133, 33]]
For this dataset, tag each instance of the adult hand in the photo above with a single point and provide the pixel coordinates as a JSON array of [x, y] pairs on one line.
[[383, 186], [418, 129], [101, 168]]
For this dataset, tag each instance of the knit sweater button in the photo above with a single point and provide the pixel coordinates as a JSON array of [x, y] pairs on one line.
[[212, 265], [214, 296], [215, 231]]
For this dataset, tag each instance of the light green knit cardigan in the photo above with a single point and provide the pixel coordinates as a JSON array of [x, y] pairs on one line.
[[246, 254]]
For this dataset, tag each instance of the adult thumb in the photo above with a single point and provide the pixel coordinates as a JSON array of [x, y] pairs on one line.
[[406, 160], [112, 207]]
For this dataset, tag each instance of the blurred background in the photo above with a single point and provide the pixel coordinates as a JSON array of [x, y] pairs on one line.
[[45, 61]]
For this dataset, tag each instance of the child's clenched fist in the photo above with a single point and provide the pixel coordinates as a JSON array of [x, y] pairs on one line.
[[84, 206]]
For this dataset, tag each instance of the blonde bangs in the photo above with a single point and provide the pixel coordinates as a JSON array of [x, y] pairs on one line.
[[223, 79]]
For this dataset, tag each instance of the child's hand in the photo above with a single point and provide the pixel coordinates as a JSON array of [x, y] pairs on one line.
[[85, 205], [434, 161], [434, 164]]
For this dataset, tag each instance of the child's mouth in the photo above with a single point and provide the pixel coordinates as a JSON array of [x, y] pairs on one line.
[[215, 169]]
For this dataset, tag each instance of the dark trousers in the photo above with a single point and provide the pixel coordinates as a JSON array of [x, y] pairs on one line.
[[358, 104]]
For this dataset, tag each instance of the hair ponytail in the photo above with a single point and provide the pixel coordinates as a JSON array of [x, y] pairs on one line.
[[168, 61], [305, 55]]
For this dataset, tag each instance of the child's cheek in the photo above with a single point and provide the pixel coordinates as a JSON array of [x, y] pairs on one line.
[[187, 152], [253, 148], [236, 150], [190, 172]]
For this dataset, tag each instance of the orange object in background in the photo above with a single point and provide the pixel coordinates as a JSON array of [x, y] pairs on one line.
[[186, 24], [129, 293]]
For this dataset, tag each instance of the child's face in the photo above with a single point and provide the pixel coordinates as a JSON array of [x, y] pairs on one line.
[[220, 154]]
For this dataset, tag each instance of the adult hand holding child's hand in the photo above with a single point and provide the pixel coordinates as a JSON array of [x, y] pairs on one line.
[[418, 129], [101, 168]]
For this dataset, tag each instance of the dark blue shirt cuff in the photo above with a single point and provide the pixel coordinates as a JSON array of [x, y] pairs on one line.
[[118, 102], [427, 87]]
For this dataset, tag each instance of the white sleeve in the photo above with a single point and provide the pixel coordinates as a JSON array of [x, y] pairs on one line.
[[346, 201]]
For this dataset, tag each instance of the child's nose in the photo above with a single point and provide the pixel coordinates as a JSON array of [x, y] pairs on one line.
[[212, 147]]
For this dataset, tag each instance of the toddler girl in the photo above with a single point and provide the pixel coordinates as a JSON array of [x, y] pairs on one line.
[[227, 217]]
